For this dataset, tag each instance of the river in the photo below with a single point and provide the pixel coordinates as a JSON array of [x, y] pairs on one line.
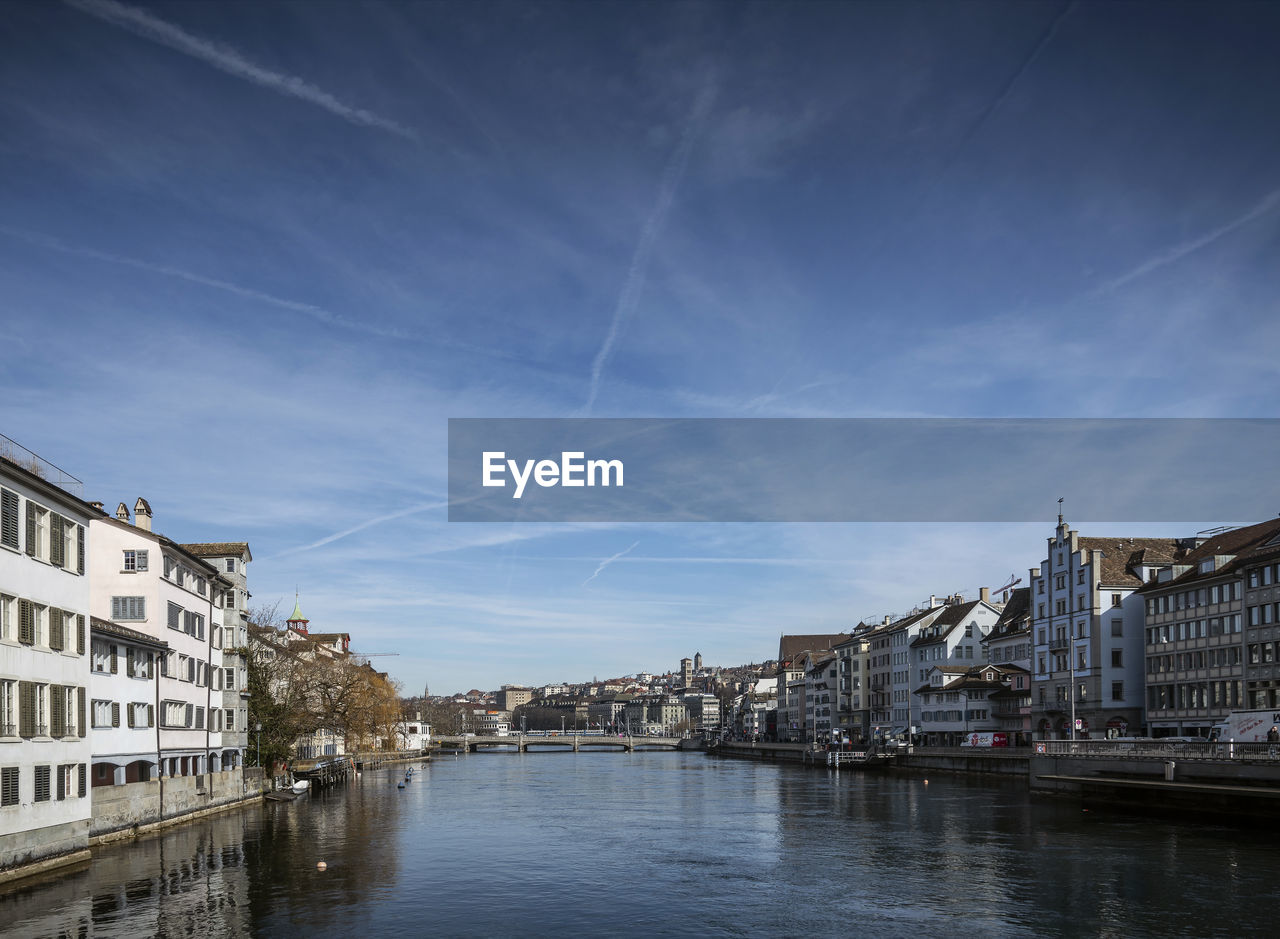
[[662, 844]]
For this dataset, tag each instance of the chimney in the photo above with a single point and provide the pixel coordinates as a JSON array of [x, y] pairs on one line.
[[142, 511], [122, 512], [984, 594], [96, 505]]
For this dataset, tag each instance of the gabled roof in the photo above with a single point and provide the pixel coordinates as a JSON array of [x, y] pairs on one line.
[[106, 627], [1015, 617], [952, 616], [1120, 556]]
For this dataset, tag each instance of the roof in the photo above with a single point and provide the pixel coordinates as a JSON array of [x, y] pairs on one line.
[[108, 628], [219, 549], [1015, 617], [952, 616], [1121, 555], [296, 615], [1240, 544], [791, 646]]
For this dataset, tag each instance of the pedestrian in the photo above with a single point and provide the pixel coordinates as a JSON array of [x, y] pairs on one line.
[[1273, 735]]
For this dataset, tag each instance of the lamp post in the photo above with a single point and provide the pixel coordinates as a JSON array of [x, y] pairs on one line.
[[257, 755]]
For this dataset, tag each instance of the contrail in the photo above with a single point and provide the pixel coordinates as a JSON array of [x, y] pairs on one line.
[[228, 60], [310, 309], [629, 298], [1177, 252], [607, 561], [412, 510]]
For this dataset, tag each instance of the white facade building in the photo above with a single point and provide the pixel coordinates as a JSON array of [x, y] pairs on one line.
[[44, 663], [124, 664], [148, 583]]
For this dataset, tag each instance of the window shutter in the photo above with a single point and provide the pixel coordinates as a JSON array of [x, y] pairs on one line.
[[9, 518], [80, 634], [84, 775], [82, 725], [115, 715], [31, 528], [56, 628], [190, 712], [151, 715], [79, 549], [57, 711], [26, 623], [130, 714], [62, 783], [114, 663], [26, 709], [131, 666], [56, 544], [142, 560]]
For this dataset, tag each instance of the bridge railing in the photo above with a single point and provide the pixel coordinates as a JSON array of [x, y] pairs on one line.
[[1160, 749]]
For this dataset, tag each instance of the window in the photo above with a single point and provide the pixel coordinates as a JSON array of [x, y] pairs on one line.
[[230, 601], [8, 707], [231, 565], [42, 784], [1080, 576], [1115, 599], [1117, 658], [37, 531], [1080, 601], [57, 630], [9, 519], [1060, 581], [142, 715], [169, 566], [128, 608], [193, 624], [1117, 691], [229, 679], [9, 786], [135, 560], [1117, 628], [1039, 586], [105, 713], [175, 616]]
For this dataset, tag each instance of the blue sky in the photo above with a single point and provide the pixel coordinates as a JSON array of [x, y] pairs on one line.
[[254, 256]]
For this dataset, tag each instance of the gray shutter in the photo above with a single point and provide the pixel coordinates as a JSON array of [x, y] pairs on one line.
[[151, 715], [9, 518], [26, 623], [26, 709], [132, 663], [62, 782], [31, 528], [114, 666], [57, 712], [56, 628], [79, 549], [82, 724], [80, 634], [115, 715], [84, 776], [56, 543]]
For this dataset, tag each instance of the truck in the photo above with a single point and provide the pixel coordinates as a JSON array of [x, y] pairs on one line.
[[1246, 726]]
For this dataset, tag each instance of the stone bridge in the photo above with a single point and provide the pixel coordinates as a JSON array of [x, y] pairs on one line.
[[569, 741]]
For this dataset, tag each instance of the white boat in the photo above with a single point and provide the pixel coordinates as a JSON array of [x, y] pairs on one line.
[[301, 785]]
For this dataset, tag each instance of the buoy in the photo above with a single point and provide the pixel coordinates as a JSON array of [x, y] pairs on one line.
[[321, 866]]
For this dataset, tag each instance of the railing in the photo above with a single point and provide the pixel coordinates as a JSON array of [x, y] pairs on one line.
[[19, 455], [1160, 749]]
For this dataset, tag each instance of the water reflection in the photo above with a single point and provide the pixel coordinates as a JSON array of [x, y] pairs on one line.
[[661, 844]]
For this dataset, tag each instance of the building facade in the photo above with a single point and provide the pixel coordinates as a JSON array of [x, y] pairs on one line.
[[44, 663]]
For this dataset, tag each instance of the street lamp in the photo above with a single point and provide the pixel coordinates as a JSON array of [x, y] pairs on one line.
[[258, 746]]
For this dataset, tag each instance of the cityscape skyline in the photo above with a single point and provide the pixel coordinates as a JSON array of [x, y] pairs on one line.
[[256, 257]]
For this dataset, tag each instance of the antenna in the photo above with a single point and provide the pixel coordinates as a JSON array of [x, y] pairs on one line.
[[1059, 511]]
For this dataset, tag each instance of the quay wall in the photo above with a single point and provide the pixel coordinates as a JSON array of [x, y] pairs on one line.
[[121, 812]]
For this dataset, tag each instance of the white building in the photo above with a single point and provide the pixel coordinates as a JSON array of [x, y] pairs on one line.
[[44, 662], [122, 703], [232, 561], [145, 581]]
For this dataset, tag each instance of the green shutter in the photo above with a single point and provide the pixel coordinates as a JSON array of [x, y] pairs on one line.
[[26, 709], [62, 783], [80, 634], [55, 540], [26, 623], [57, 712], [114, 668], [84, 778], [56, 628], [81, 724], [115, 715], [79, 549], [9, 518], [31, 528]]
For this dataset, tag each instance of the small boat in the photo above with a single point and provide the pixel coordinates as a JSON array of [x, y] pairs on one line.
[[301, 785], [399, 785]]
